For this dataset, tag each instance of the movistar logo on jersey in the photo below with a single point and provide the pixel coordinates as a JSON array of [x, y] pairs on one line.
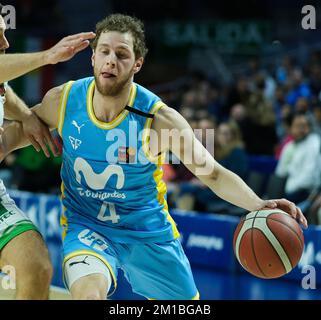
[[98, 181], [101, 195]]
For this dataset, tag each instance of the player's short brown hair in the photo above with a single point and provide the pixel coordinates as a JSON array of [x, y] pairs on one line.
[[123, 23]]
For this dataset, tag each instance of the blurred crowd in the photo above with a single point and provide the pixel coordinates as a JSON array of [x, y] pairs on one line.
[[267, 130]]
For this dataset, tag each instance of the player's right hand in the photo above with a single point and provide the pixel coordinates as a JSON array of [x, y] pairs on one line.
[[288, 207], [67, 47]]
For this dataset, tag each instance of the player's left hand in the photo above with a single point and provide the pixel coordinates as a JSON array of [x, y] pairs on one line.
[[39, 135], [289, 207]]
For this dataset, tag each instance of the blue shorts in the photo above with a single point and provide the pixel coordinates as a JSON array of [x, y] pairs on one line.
[[158, 271]]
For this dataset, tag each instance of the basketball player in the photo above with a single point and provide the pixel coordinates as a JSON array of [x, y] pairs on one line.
[[115, 210], [21, 244]]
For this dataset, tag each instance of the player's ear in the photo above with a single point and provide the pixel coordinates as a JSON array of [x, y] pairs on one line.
[[138, 64], [93, 59]]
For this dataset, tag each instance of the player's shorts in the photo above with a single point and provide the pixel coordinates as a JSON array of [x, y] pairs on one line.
[[13, 221], [155, 270]]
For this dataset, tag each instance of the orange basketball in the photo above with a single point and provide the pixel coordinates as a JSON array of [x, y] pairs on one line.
[[268, 243]]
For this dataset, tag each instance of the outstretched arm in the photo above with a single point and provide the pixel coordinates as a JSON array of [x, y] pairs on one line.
[[37, 132], [15, 65], [198, 160], [14, 137]]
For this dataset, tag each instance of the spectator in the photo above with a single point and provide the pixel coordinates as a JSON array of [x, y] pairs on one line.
[[229, 148], [315, 79], [214, 102], [259, 128], [206, 138], [301, 105], [279, 101], [317, 118], [298, 87], [239, 94], [284, 70], [300, 160], [238, 113], [287, 137], [315, 210]]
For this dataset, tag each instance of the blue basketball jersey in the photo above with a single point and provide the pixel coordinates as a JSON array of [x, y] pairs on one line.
[[110, 181]]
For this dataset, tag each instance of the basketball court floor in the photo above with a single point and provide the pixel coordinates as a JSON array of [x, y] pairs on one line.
[[215, 285], [222, 285], [55, 293], [219, 285]]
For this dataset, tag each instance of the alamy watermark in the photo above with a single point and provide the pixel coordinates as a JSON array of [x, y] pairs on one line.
[[9, 16], [8, 281], [309, 20], [309, 280], [191, 147]]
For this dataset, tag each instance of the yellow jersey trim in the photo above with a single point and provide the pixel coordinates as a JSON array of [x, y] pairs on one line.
[[119, 118], [62, 106], [197, 297], [63, 218], [161, 188], [158, 173], [92, 253]]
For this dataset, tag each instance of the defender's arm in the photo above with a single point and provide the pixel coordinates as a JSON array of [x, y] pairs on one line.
[[14, 137], [33, 127], [15, 65]]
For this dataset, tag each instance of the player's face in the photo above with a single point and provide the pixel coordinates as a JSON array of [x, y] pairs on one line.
[[4, 44], [114, 62]]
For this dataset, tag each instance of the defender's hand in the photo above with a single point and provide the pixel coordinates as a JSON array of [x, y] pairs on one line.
[[67, 47], [39, 135]]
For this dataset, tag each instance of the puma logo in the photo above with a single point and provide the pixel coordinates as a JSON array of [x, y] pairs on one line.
[[77, 262], [76, 125], [98, 181]]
